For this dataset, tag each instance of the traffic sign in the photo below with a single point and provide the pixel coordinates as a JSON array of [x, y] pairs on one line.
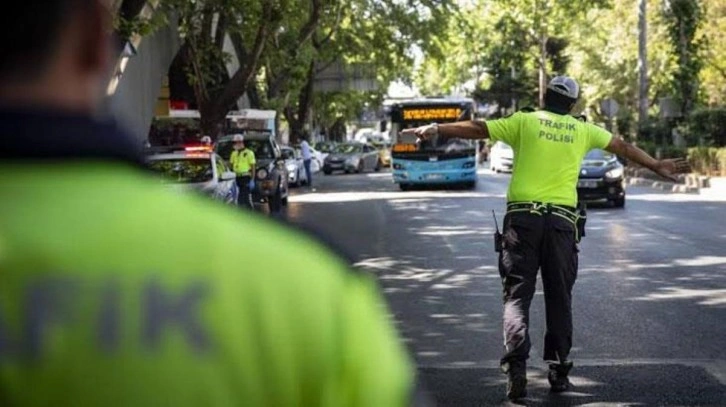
[[609, 107]]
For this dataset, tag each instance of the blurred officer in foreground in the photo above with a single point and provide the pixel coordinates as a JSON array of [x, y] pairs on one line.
[[543, 224], [115, 292]]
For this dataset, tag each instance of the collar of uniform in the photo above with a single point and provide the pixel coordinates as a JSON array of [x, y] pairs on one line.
[[40, 134], [555, 111]]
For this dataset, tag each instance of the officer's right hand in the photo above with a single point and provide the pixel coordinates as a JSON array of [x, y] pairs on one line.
[[672, 167], [423, 132]]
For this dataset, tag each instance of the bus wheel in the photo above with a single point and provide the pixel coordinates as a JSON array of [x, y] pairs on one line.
[[470, 185], [404, 187]]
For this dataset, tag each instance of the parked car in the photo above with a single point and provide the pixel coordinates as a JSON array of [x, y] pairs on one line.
[[324, 148], [271, 179], [601, 179], [295, 167], [352, 157], [194, 169], [501, 156]]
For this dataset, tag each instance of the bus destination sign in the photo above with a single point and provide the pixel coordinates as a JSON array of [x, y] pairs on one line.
[[431, 113]]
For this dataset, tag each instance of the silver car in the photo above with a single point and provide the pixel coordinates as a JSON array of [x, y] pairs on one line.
[[352, 157]]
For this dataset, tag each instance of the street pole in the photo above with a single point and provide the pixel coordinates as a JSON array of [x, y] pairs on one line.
[[643, 62]]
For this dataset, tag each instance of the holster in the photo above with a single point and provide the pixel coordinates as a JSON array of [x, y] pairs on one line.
[[581, 220], [498, 242]]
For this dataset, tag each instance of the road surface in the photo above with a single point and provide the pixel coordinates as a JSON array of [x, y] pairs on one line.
[[649, 302]]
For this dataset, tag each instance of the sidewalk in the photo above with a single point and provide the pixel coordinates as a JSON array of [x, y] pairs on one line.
[[717, 189]]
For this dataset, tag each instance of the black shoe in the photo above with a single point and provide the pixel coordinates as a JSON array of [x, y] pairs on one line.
[[516, 380], [557, 376]]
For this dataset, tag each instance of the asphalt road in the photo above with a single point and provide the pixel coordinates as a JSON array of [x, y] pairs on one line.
[[649, 302]]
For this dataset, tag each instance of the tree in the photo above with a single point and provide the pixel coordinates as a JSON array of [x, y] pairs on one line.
[[713, 33], [683, 19], [203, 26]]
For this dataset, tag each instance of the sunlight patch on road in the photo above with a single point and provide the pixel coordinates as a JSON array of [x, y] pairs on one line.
[[677, 197], [705, 296], [701, 261], [389, 195]]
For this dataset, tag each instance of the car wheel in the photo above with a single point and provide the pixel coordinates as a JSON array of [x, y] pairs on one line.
[[361, 167], [327, 172], [284, 201], [378, 166], [470, 185], [619, 202]]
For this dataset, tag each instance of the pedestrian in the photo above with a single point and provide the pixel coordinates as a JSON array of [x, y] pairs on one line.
[[307, 160], [543, 225], [117, 291], [243, 164]]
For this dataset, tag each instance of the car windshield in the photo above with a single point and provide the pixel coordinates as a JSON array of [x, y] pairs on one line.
[[183, 170], [262, 148], [348, 149], [288, 154], [599, 155], [324, 147]]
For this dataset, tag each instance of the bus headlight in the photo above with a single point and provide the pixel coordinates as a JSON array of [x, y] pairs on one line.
[[397, 166]]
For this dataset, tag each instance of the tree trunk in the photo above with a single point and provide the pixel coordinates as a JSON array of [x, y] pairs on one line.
[[643, 102], [542, 68]]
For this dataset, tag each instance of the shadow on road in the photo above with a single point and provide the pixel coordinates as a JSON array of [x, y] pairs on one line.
[[625, 385]]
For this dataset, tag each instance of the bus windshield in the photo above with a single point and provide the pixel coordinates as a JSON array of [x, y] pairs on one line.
[[407, 116]]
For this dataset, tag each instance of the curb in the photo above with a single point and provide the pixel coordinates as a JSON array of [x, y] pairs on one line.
[[664, 185]]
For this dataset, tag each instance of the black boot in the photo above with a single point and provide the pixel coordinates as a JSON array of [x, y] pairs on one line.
[[558, 377], [516, 379]]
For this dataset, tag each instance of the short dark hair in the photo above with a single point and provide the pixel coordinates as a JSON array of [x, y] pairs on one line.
[[30, 32], [558, 103]]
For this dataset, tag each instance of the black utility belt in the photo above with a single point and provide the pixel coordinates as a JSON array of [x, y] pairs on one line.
[[567, 212], [577, 216]]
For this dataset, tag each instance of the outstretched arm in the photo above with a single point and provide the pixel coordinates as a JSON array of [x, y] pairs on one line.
[[665, 168], [472, 130]]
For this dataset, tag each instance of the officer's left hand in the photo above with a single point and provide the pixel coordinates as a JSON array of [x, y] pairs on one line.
[[252, 184], [672, 167]]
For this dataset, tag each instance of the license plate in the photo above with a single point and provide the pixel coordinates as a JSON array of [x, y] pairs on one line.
[[433, 158], [587, 184], [434, 176]]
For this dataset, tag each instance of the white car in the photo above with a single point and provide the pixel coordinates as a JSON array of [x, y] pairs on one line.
[[194, 169], [295, 167], [501, 157]]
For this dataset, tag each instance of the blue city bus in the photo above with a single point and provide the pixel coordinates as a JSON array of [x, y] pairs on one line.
[[450, 161]]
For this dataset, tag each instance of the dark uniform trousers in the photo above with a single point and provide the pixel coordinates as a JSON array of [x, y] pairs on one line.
[[532, 241], [244, 198]]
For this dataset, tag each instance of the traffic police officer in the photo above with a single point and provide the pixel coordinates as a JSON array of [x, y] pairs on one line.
[[243, 164], [115, 291], [541, 225]]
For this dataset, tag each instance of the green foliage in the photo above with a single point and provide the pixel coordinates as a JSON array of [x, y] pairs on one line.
[[683, 19], [662, 151], [657, 132], [708, 160], [707, 126]]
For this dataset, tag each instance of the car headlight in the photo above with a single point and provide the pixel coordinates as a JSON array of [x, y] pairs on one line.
[[262, 174], [615, 173], [291, 167]]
